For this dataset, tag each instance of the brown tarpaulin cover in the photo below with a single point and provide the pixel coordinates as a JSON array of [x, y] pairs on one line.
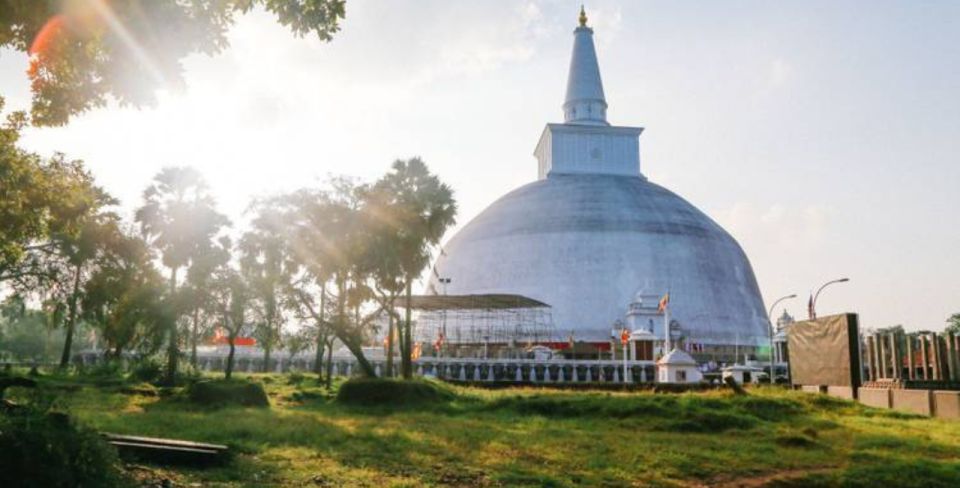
[[825, 351]]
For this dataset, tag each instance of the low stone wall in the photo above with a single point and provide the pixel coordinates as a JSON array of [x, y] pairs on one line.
[[947, 404], [845, 392], [813, 388], [914, 401], [875, 397]]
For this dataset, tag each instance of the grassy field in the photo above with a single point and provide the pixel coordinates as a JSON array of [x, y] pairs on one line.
[[536, 437]]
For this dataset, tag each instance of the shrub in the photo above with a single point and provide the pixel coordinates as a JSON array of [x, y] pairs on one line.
[[49, 449], [148, 370], [188, 373], [220, 393], [105, 369], [382, 391], [295, 378]]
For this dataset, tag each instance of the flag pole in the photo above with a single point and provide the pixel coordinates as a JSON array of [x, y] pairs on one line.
[[666, 328]]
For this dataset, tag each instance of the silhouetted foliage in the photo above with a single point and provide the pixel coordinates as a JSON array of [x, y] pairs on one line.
[[83, 53]]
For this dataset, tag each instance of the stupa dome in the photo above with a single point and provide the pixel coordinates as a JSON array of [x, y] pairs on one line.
[[583, 243]]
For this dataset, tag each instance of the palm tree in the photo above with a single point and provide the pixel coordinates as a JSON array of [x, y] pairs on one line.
[[197, 292], [953, 324], [179, 219], [419, 208], [265, 262]]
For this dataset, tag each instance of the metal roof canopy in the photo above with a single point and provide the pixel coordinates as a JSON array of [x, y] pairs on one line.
[[473, 302]]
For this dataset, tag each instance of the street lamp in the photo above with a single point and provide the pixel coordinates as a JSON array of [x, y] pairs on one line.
[[813, 304], [770, 316]]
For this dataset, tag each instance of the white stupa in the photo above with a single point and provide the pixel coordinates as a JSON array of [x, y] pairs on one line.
[[592, 230]]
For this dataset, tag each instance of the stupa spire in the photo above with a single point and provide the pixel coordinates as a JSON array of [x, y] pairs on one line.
[[585, 102]]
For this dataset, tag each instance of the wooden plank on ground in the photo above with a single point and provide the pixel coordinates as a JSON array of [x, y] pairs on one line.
[[167, 451]]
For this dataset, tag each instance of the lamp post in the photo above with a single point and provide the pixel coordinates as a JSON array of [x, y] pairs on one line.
[[443, 325], [770, 316], [813, 305]]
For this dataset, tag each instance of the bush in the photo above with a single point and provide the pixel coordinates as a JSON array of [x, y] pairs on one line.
[[105, 369], [48, 449], [381, 391], [148, 370], [295, 378], [221, 393]]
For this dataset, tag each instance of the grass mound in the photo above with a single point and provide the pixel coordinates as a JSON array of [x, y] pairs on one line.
[[49, 449], [222, 393], [380, 391]]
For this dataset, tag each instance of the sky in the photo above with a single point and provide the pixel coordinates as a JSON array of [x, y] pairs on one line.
[[824, 136]]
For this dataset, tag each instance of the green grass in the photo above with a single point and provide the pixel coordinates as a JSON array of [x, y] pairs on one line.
[[536, 437]]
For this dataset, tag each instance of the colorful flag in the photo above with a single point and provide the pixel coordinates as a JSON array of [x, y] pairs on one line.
[[664, 302]]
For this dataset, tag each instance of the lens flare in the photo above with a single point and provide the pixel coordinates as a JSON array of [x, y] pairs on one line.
[[47, 35], [81, 20]]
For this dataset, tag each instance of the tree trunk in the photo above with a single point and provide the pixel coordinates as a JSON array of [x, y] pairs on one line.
[[173, 351], [193, 337], [329, 363], [321, 337], [390, 328], [406, 336], [267, 345], [228, 372], [342, 320], [318, 364], [365, 365], [71, 320]]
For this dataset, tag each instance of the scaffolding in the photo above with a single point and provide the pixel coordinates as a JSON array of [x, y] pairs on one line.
[[474, 320]]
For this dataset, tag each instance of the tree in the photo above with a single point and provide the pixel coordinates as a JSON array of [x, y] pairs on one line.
[[28, 334], [266, 264], [197, 293], [382, 263], [77, 254], [179, 219], [122, 297], [232, 301], [297, 342], [953, 324], [39, 198], [419, 209], [307, 298], [328, 233], [83, 53], [54, 225]]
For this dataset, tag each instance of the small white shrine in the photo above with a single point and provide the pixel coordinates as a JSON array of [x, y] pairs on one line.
[[678, 367]]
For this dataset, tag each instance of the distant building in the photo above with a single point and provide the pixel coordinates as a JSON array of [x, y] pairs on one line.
[[780, 354]]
